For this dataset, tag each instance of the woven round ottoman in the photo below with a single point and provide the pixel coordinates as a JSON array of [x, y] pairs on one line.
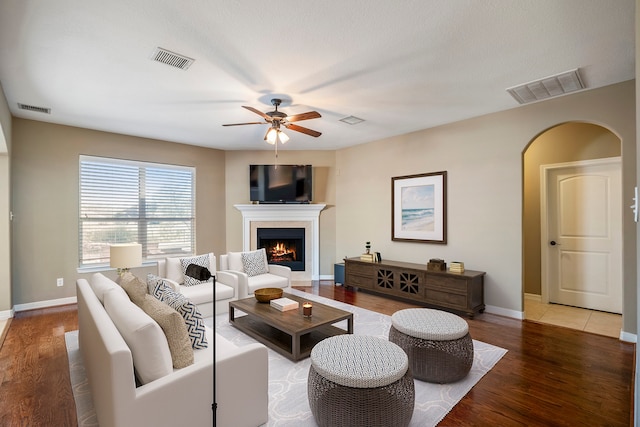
[[438, 343], [359, 380]]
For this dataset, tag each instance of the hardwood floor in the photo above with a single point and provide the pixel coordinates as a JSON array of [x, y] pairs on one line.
[[35, 389], [550, 376]]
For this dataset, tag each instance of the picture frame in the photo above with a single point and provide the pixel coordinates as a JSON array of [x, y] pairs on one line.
[[419, 208]]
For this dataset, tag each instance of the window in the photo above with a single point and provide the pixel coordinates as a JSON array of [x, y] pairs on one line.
[[125, 201]]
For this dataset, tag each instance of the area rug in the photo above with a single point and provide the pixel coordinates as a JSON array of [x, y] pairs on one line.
[[288, 404]]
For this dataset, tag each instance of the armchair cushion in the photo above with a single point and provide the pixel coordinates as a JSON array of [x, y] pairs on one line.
[[235, 261], [254, 263]]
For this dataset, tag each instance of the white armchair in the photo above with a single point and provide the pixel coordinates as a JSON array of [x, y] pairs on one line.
[[202, 295], [254, 272]]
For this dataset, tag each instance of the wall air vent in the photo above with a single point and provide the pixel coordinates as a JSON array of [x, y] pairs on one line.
[[34, 108], [173, 59], [549, 87]]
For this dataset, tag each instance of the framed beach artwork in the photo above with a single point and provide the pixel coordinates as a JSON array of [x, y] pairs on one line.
[[419, 208]]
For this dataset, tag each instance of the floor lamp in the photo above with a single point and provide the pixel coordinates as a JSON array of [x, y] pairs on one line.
[[202, 273]]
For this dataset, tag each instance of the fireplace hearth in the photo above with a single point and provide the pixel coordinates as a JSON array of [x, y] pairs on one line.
[[284, 246]]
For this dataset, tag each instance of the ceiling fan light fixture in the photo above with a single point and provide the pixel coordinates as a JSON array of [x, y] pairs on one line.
[[283, 137], [272, 136]]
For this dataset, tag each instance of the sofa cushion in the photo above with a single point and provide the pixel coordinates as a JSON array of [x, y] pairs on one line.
[[101, 284], [254, 263], [190, 314], [134, 287], [144, 337], [202, 261], [172, 325]]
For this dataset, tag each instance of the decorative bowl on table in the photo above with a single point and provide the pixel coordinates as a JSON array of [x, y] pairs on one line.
[[267, 294]]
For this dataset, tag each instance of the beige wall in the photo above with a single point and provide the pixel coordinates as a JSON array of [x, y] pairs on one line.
[[324, 191], [483, 159], [45, 199], [5, 208], [564, 143], [636, 410]]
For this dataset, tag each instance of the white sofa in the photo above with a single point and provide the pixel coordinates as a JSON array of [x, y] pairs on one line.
[[181, 396], [202, 295], [274, 276]]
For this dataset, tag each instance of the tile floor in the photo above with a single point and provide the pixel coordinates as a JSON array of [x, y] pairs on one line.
[[596, 322]]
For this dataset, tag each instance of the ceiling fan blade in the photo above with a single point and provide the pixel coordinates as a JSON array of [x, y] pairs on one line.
[[258, 112], [304, 116], [241, 124], [307, 131]]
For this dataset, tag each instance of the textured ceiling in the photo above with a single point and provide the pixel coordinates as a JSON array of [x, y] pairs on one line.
[[400, 66]]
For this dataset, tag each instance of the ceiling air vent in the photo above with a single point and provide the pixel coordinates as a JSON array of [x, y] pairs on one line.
[[34, 108], [549, 87], [173, 59], [352, 120]]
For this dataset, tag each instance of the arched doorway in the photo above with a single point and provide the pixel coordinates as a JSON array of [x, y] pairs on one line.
[[566, 143]]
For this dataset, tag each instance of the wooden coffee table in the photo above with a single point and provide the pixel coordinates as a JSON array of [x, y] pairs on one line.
[[288, 332]]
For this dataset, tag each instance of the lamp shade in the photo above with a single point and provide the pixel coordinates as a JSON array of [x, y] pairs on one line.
[[125, 255], [272, 134], [283, 137]]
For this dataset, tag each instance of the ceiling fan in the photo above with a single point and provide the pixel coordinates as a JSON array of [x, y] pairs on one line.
[[277, 119]]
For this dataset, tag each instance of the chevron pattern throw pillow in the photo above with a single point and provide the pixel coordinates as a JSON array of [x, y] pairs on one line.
[[187, 309], [154, 285]]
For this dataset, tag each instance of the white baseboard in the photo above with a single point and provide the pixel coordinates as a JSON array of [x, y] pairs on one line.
[[628, 337], [45, 304], [504, 312], [533, 297], [7, 314]]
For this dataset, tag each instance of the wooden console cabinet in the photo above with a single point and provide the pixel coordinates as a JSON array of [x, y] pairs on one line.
[[462, 292]]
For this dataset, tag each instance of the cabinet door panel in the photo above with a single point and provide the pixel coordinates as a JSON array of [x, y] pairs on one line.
[[448, 282]]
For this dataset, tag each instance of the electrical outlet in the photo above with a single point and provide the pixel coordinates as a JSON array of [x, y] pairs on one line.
[[60, 281]]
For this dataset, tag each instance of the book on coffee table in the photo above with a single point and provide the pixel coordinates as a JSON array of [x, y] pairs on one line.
[[284, 304]]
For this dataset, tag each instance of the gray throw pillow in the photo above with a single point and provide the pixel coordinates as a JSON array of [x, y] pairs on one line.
[[254, 263]]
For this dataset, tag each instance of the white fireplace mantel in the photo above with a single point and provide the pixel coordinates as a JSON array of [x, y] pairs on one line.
[[285, 213]]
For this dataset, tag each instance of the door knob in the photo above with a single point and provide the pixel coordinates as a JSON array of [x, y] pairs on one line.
[[553, 243]]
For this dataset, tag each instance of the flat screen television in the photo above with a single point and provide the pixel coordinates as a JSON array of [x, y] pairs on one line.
[[280, 183]]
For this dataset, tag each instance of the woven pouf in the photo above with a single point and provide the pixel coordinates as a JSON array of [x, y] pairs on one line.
[[438, 343], [358, 380]]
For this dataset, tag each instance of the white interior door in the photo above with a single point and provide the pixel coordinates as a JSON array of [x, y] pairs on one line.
[[582, 242]]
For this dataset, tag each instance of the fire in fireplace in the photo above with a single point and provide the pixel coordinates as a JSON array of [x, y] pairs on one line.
[[284, 246]]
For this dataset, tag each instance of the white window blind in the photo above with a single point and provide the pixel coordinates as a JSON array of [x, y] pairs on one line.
[[124, 201]]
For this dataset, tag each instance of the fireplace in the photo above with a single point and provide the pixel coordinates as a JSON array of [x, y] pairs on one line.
[[306, 216], [284, 246]]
